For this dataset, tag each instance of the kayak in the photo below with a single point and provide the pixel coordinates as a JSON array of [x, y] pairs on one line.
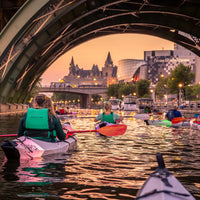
[[159, 122], [181, 124], [168, 123], [162, 185], [194, 125], [67, 115], [25, 147]]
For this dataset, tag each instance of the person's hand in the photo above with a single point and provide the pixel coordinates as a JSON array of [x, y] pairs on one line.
[[66, 127]]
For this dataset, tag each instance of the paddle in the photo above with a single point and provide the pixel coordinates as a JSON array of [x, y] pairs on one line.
[[159, 113], [177, 120], [9, 135], [111, 130]]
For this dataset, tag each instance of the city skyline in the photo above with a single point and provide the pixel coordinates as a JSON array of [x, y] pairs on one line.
[[120, 46]]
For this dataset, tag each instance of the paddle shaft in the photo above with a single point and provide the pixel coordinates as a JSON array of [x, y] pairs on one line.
[[15, 135], [111, 130], [82, 131], [9, 135]]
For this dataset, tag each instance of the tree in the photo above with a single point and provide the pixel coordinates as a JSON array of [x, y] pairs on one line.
[[181, 74], [96, 98], [192, 92], [127, 89], [161, 87], [112, 90], [35, 90], [142, 88]]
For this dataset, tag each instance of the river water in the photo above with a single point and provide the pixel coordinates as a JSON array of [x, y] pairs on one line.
[[102, 168]]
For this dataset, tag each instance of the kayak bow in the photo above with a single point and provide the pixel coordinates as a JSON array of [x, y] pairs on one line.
[[162, 185]]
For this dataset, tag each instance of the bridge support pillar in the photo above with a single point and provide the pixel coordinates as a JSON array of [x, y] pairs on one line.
[[85, 100]]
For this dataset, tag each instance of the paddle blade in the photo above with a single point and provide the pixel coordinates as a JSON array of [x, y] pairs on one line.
[[142, 116], [113, 130], [177, 120], [159, 113]]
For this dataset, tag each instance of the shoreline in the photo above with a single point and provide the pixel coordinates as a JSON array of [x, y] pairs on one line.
[[12, 109]]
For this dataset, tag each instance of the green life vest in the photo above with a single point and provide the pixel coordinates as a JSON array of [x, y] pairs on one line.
[[108, 118], [37, 125]]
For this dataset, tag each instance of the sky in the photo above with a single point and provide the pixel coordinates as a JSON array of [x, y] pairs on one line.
[[95, 51]]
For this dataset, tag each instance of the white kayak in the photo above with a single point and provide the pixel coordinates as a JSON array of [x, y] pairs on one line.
[[25, 147], [194, 125], [181, 124], [162, 185]]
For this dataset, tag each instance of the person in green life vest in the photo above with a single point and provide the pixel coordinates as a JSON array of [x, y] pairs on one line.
[[41, 122], [108, 115]]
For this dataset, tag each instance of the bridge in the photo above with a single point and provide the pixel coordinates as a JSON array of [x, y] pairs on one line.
[[84, 92], [42, 31]]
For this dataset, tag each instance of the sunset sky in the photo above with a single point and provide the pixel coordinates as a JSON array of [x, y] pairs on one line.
[[121, 46]]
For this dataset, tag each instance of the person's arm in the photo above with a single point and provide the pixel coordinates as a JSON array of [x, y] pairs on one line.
[[21, 127], [98, 118], [59, 130], [117, 117]]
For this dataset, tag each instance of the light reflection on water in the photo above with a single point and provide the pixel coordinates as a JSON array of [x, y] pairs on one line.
[[102, 168]]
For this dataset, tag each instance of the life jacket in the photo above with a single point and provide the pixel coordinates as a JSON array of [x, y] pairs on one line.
[[37, 125], [108, 118]]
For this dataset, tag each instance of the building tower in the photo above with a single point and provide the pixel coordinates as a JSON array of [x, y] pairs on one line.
[[107, 70]]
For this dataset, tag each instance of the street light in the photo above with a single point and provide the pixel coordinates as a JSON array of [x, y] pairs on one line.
[[180, 85]]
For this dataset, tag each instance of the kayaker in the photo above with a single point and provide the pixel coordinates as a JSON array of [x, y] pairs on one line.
[[173, 113], [41, 121], [147, 109], [108, 115]]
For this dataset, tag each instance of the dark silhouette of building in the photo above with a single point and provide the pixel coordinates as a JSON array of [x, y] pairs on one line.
[[79, 76]]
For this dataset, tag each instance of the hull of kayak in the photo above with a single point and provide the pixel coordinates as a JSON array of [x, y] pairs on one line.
[[181, 124], [162, 185], [194, 125], [27, 148]]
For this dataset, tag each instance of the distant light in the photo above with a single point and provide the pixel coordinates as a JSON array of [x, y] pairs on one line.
[[180, 85], [172, 30]]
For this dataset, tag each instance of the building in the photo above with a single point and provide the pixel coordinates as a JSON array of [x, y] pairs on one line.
[[127, 68], [162, 62], [79, 77]]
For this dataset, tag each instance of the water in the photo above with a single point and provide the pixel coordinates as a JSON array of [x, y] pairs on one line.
[[102, 168]]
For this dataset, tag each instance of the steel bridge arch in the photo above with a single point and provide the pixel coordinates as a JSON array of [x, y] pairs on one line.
[[42, 31]]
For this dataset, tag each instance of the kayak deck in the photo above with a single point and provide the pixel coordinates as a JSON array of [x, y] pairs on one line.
[[26, 147], [168, 123], [162, 185]]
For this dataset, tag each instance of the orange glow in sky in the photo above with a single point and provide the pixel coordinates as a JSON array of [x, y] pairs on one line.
[[121, 46]]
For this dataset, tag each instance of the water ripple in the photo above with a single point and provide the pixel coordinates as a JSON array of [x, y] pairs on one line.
[[102, 168]]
